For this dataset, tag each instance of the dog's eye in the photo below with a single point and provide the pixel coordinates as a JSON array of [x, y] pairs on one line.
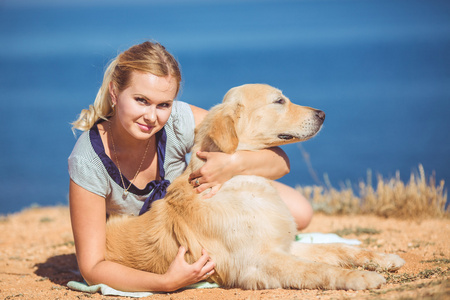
[[280, 101]]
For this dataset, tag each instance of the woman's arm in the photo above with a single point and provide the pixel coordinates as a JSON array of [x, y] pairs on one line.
[[270, 163], [88, 215]]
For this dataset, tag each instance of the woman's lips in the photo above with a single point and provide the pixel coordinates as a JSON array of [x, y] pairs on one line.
[[145, 127]]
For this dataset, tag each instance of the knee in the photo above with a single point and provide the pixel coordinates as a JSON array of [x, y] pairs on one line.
[[303, 214], [298, 205]]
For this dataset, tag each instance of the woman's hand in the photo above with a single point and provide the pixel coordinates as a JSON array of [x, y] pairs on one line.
[[181, 274], [219, 167]]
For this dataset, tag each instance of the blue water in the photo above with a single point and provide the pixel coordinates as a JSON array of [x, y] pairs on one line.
[[379, 69]]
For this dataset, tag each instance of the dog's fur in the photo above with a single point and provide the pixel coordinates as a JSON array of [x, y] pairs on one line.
[[246, 227]]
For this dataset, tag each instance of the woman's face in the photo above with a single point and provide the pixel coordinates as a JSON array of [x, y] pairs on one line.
[[145, 106]]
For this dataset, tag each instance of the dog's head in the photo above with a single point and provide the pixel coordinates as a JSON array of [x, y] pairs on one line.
[[257, 116]]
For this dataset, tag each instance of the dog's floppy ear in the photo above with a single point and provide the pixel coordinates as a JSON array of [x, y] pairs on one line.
[[223, 133]]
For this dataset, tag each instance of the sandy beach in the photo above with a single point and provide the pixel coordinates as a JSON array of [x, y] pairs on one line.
[[37, 258]]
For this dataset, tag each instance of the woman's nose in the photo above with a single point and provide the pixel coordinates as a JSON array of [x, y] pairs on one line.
[[150, 113]]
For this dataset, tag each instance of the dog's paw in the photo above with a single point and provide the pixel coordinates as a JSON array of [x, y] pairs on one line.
[[362, 280], [393, 262], [386, 262]]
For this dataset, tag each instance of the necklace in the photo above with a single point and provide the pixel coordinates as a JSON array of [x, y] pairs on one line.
[[125, 192]]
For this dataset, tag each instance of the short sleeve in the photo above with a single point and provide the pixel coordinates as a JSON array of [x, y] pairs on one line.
[[87, 170], [184, 124], [180, 130]]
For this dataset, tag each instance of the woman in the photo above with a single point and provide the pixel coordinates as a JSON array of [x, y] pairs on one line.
[[134, 143]]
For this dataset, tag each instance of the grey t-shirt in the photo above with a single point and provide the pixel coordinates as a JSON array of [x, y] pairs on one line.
[[93, 170]]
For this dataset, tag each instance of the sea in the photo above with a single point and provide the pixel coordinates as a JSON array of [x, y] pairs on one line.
[[379, 69]]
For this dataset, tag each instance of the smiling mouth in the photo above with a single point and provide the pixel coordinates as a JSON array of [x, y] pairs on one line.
[[145, 127]]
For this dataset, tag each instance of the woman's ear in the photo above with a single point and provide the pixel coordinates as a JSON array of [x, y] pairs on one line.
[[112, 93]]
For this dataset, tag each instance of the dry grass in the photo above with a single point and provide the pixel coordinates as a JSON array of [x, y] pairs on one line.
[[419, 198]]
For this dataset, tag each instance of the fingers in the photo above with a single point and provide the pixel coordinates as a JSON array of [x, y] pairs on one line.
[[204, 258], [203, 187], [212, 192], [200, 184], [195, 182], [202, 155], [181, 253], [181, 273], [208, 274], [204, 263], [209, 176], [198, 173], [204, 266], [208, 265], [200, 187], [213, 189], [196, 178], [195, 174]]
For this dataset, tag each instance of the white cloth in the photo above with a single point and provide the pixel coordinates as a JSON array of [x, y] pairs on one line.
[[108, 291], [323, 238]]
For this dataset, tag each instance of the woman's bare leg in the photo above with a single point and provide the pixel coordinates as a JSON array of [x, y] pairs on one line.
[[299, 207]]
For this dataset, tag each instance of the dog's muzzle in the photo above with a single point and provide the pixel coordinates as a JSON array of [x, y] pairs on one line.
[[318, 117]]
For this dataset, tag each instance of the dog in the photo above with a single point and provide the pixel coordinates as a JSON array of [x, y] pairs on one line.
[[246, 228]]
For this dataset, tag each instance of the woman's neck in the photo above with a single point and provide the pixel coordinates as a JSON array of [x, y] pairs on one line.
[[123, 140], [129, 154]]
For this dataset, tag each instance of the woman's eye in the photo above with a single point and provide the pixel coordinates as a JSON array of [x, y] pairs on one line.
[[280, 101], [141, 100], [164, 105]]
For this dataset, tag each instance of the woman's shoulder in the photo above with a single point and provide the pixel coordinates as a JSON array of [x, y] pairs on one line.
[[181, 109], [83, 147], [86, 168], [181, 120]]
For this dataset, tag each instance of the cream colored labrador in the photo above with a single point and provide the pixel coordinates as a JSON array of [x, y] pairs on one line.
[[246, 228]]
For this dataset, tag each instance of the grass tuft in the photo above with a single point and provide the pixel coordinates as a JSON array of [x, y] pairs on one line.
[[437, 261], [419, 198]]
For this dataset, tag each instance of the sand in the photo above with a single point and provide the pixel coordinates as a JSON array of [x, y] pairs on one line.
[[37, 259]]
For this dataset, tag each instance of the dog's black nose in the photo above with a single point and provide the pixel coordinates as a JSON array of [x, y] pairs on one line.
[[320, 114]]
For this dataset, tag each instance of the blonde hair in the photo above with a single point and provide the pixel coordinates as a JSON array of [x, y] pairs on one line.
[[147, 57]]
